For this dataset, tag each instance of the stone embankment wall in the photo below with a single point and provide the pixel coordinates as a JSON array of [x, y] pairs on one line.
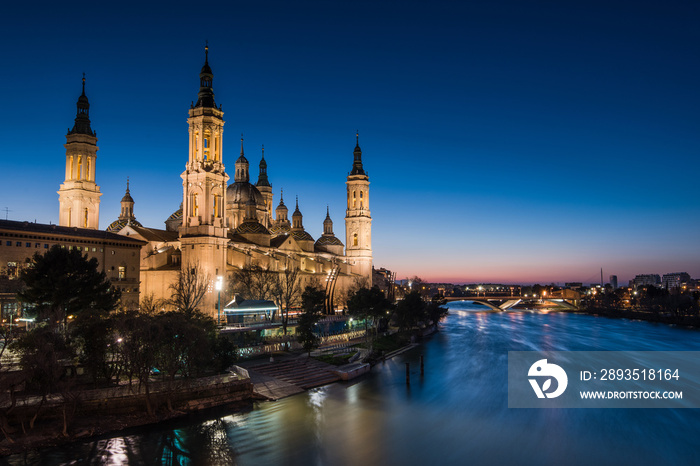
[[185, 395]]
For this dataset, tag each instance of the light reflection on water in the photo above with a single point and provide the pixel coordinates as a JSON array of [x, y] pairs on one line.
[[455, 414]]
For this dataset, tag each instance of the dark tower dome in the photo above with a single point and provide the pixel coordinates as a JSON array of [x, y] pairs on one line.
[[206, 78], [82, 118], [262, 177], [357, 162]]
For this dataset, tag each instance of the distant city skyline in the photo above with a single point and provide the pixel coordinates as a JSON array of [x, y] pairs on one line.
[[504, 142]]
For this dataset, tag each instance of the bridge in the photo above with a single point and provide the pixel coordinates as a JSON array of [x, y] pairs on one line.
[[503, 303]]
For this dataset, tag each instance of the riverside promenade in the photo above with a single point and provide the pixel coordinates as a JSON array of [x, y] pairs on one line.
[[286, 374]]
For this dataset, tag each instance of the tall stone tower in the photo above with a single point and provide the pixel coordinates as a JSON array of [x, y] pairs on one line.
[[79, 196], [358, 221], [203, 233]]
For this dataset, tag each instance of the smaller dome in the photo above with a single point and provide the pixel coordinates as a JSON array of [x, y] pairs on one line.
[[280, 229], [252, 227], [127, 197], [302, 236], [177, 215], [328, 241], [117, 225]]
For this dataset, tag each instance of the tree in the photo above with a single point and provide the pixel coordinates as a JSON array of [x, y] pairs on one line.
[[41, 352], [151, 305], [189, 289], [435, 313], [255, 282], [410, 311], [312, 308], [64, 282], [286, 292], [370, 305]]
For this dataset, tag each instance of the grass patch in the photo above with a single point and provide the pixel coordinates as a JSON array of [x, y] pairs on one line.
[[389, 343], [334, 359]]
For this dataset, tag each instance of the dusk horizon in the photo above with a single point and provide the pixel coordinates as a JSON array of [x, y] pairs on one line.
[[503, 144]]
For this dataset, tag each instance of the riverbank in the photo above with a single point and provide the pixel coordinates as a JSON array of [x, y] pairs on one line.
[[648, 316], [86, 413], [127, 406]]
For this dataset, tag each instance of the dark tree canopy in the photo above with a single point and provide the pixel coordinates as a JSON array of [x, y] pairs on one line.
[[368, 304], [65, 282], [312, 301]]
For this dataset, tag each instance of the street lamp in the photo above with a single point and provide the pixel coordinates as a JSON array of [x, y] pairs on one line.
[[219, 283]]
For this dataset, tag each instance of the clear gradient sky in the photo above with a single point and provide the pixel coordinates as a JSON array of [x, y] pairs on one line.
[[505, 141]]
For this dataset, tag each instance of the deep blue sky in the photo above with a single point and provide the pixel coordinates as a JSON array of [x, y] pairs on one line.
[[505, 141]]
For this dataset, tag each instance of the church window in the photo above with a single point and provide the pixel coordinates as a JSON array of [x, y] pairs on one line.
[[362, 202], [206, 147], [85, 218], [354, 201], [70, 172], [80, 166], [217, 206], [87, 170], [354, 239], [196, 145], [195, 205]]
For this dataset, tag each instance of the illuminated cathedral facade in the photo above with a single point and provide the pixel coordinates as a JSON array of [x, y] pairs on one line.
[[224, 222]]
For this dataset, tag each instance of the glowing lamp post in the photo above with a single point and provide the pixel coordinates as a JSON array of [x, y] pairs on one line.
[[218, 285]]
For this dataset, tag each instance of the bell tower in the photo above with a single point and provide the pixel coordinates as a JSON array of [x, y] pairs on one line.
[[79, 196], [358, 221], [203, 233]]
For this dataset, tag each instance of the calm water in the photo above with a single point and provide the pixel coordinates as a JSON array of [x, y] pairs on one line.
[[456, 414]]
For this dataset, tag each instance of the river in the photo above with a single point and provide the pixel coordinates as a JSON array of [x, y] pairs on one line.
[[456, 414]]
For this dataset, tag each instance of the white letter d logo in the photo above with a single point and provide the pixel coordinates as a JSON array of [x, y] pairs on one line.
[[542, 369]]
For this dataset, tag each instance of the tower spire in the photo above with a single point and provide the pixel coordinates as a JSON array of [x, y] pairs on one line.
[[206, 78], [263, 181], [82, 117], [357, 162]]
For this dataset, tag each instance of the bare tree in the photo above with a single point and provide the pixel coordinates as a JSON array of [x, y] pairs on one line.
[[151, 305], [189, 289], [255, 282], [287, 292]]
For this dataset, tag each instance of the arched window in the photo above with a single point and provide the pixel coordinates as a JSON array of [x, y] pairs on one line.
[[354, 200], [362, 202], [85, 218], [70, 172], [206, 146], [80, 166], [87, 171], [195, 205], [354, 239], [216, 213]]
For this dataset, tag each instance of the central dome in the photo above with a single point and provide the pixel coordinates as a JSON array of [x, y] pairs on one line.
[[241, 192]]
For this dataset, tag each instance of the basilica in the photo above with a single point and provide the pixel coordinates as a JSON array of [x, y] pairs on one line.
[[221, 226]]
